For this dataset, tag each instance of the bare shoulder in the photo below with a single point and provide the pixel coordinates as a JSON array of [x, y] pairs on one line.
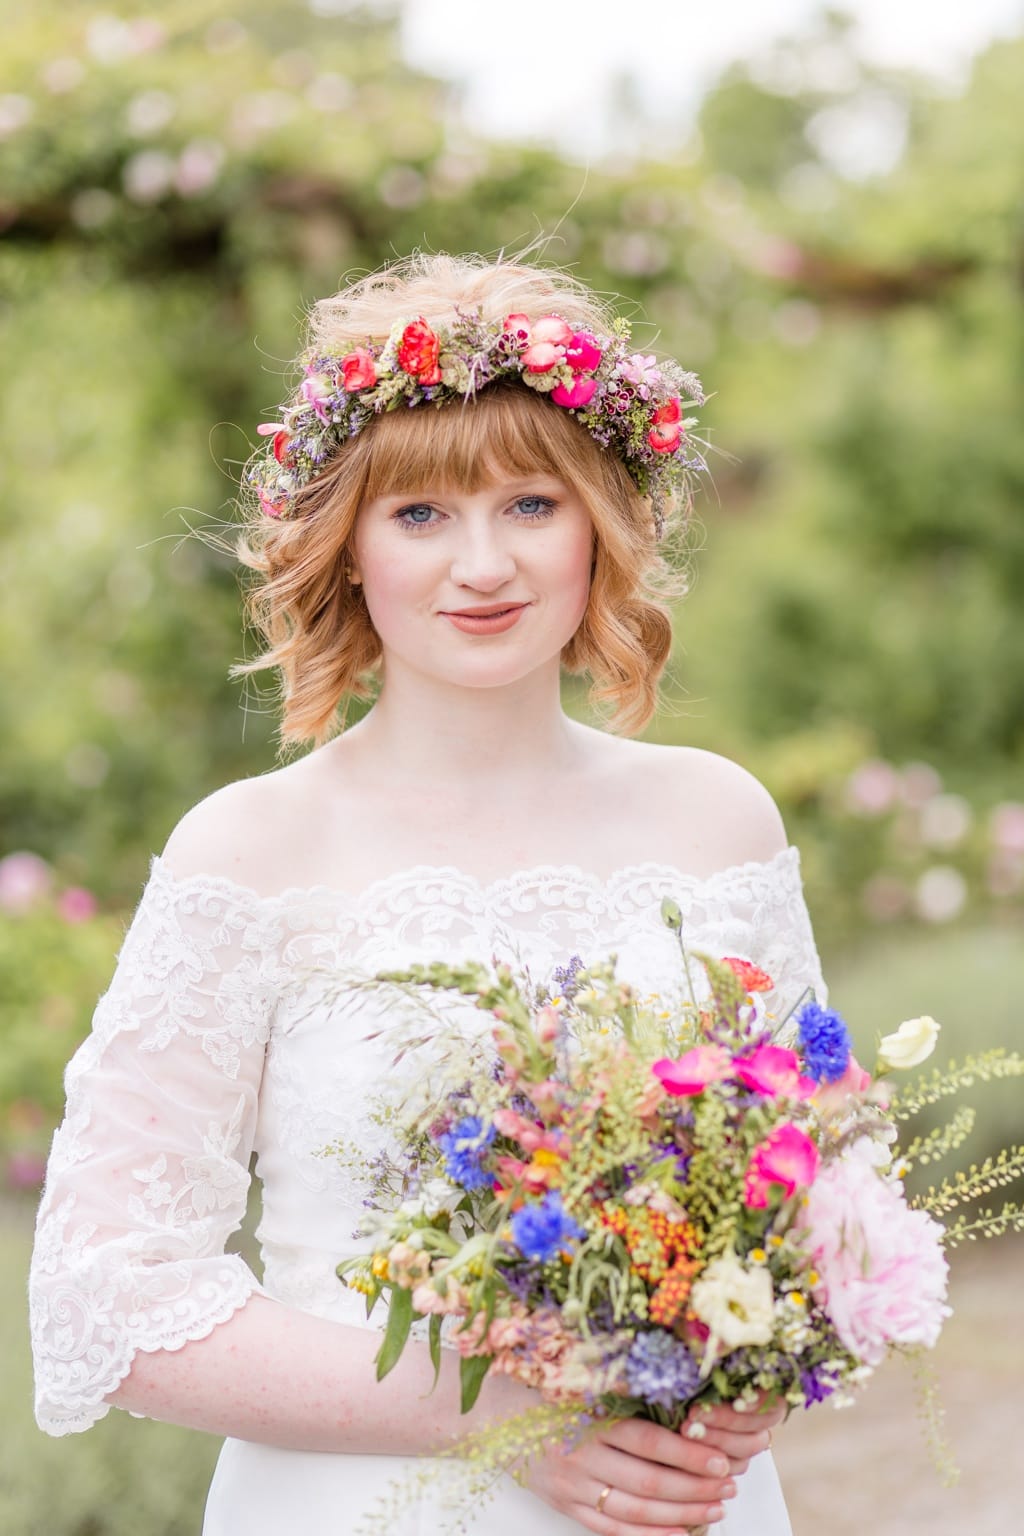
[[714, 811], [244, 831]]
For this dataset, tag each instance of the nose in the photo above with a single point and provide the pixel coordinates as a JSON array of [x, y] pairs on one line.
[[483, 560]]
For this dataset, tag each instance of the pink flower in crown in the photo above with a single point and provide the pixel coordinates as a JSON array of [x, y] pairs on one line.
[[788, 1157], [270, 507], [666, 430], [518, 327], [582, 352], [693, 1071], [580, 393], [357, 370], [316, 390], [772, 1070], [548, 338], [638, 369]]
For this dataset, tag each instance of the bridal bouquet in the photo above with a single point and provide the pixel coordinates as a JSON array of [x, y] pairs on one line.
[[633, 1208]]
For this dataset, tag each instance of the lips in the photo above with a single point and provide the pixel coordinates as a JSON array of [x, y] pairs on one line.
[[488, 619], [486, 612]]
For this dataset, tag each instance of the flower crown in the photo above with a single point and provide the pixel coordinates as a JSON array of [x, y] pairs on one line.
[[628, 402]]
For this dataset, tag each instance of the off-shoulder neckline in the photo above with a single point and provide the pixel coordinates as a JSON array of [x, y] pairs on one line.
[[487, 891]]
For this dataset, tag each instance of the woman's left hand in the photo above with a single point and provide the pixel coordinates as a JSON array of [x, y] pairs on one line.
[[739, 1436]]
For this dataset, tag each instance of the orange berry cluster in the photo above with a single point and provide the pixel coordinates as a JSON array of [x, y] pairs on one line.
[[656, 1243], [673, 1293]]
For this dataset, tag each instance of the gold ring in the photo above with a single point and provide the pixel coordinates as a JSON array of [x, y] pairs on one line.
[[601, 1500]]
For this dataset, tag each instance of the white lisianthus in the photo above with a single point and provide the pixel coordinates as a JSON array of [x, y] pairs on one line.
[[911, 1044], [736, 1303]]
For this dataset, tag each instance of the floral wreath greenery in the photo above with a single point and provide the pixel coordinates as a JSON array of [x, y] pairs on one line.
[[629, 402]]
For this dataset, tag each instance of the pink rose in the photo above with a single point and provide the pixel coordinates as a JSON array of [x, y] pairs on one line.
[[358, 370], [774, 1070], [693, 1071], [581, 393], [882, 1270], [582, 352], [551, 328], [540, 356], [787, 1157], [855, 1080]]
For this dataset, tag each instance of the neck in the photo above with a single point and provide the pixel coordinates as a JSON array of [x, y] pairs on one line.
[[472, 740]]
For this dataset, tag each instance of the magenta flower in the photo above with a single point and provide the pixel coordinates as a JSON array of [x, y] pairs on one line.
[[694, 1070], [788, 1157], [582, 352], [882, 1270], [773, 1070], [581, 393]]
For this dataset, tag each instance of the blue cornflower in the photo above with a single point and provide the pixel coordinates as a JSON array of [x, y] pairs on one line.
[[464, 1147], [661, 1370], [824, 1041], [541, 1230]]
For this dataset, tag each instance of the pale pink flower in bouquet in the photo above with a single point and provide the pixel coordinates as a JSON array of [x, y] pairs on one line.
[[882, 1270]]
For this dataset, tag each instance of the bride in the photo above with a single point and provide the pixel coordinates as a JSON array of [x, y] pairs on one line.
[[450, 558]]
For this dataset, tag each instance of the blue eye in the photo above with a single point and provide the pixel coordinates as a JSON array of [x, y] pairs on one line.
[[535, 506], [416, 516]]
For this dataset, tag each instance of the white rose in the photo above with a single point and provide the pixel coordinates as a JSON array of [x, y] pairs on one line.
[[736, 1303], [912, 1043]]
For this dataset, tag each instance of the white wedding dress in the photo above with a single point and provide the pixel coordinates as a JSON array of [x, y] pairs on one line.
[[214, 1040]]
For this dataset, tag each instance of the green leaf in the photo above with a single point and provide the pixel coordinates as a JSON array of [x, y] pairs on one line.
[[472, 1371], [400, 1316], [434, 1340]]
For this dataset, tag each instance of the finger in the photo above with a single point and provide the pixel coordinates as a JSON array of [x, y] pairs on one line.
[[604, 1525], [737, 1446], [626, 1508], [653, 1482], [666, 1448], [727, 1416]]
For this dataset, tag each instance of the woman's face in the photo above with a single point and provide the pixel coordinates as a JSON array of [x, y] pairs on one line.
[[477, 588]]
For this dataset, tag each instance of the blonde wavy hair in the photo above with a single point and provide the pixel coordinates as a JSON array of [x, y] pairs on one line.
[[315, 622]]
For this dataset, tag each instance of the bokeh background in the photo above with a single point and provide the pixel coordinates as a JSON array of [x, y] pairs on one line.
[[827, 221]]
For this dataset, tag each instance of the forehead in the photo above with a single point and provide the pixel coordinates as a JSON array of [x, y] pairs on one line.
[[504, 436]]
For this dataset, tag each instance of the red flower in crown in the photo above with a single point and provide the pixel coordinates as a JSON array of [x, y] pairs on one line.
[[418, 352], [358, 370], [666, 427], [749, 976]]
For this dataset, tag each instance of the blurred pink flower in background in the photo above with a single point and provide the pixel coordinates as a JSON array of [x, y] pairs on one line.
[[25, 880], [25, 1170], [919, 782], [76, 904], [885, 898], [872, 789], [1006, 826]]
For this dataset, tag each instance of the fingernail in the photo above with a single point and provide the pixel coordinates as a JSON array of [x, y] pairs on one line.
[[729, 1491], [715, 1512], [718, 1466]]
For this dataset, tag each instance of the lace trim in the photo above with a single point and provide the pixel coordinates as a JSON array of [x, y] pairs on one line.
[[490, 893]]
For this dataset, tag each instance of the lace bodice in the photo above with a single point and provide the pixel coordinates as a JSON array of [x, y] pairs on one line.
[[215, 1040]]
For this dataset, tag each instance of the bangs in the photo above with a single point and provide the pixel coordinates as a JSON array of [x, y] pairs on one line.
[[506, 432]]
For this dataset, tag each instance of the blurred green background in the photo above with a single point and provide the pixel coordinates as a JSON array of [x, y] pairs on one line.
[[178, 183]]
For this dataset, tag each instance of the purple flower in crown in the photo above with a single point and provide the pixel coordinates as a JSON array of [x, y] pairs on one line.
[[317, 390]]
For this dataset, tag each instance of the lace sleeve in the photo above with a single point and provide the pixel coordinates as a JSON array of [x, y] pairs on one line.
[[148, 1174], [785, 938]]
